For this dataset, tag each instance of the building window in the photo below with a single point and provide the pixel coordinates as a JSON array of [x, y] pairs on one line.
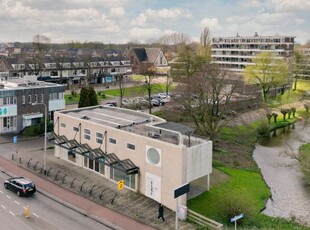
[[75, 129], [63, 125], [36, 98], [112, 140], [87, 134], [24, 99], [99, 138], [29, 99], [116, 175], [131, 146]]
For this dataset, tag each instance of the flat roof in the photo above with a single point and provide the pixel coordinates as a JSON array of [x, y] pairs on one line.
[[132, 121]]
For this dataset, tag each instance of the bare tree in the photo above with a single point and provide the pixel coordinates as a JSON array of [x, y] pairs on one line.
[[121, 88], [149, 82], [40, 44], [206, 96]]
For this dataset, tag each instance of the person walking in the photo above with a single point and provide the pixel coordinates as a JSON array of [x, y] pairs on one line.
[[161, 212]]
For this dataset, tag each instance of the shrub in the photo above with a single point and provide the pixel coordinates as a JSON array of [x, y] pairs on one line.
[[263, 130], [233, 204]]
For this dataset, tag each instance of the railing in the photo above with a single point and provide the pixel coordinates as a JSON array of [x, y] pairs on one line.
[[202, 220]]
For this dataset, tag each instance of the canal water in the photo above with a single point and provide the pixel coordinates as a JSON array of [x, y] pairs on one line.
[[290, 199]]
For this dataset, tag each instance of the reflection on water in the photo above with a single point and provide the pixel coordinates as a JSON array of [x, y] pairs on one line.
[[278, 136], [281, 172]]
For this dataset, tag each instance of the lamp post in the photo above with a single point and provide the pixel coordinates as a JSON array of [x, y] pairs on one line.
[[45, 129]]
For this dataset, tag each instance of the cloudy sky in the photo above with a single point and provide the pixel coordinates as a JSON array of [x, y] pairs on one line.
[[121, 21]]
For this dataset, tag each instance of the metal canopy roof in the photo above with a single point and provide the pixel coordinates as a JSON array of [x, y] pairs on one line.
[[97, 154], [176, 127]]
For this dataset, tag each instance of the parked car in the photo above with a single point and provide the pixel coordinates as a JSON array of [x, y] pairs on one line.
[[20, 185], [111, 104], [159, 99], [156, 102]]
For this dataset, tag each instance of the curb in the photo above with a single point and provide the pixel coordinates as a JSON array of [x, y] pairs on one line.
[[66, 204]]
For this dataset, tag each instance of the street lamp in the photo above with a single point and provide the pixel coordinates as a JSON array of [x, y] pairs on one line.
[[45, 129]]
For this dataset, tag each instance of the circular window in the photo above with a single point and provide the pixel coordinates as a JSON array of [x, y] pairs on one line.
[[153, 156]]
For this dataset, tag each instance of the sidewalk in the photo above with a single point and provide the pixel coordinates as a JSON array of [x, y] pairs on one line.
[[85, 191]]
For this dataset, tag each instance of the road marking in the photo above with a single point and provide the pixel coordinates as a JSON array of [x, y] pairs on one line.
[[12, 213], [3, 207], [24, 207], [8, 196], [16, 202], [35, 215]]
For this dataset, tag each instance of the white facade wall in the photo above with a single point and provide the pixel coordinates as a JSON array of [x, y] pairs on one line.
[[157, 181], [235, 53]]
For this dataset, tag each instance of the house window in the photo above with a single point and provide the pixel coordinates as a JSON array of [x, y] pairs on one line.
[[62, 125], [24, 99], [87, 134], [131, 146], [29, 99], [75, 129], [99, 138], [112, 140]]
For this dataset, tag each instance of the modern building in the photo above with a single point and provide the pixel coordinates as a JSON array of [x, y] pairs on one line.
[[56, 68], [142, 59], [152, 156], [22, 103], [235, 53]]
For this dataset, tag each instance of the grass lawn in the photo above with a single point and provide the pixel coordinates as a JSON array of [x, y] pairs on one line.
[[128, 92], [245, 192]]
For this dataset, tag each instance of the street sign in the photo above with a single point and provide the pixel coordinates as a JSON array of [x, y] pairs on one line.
[[120, 184], [15, 140], [181, 190], [237, 218]]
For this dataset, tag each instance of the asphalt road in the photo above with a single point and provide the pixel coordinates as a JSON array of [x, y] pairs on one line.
[[44, 213]]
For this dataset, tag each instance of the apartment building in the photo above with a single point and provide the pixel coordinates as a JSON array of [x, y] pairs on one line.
[[235, 53], [22, 103], [152, 156]]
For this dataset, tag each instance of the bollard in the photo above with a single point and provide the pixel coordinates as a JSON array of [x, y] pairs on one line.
[[27, 212], [12, 156], [20, 160]]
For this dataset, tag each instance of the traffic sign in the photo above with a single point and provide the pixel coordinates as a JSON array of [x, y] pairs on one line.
[[120, 184], [237, 217], [15, 140], [181, 190]]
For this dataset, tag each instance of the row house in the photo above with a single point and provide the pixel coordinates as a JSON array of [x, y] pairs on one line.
[[23, 103], [62, 68]]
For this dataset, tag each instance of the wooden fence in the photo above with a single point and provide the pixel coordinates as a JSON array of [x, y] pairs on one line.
[[202, 220]]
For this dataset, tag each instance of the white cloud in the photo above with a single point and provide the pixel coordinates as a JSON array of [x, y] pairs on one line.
[[149, 15], [144, 33], [139, 21], [211, 23], [117, 12], [171, 14], [291, 5]]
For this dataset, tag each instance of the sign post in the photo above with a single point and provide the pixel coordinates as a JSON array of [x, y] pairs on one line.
[[179, 192], [234, 219], [14, 139]]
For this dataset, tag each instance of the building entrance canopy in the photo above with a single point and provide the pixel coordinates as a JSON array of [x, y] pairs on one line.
[[97, 154]]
